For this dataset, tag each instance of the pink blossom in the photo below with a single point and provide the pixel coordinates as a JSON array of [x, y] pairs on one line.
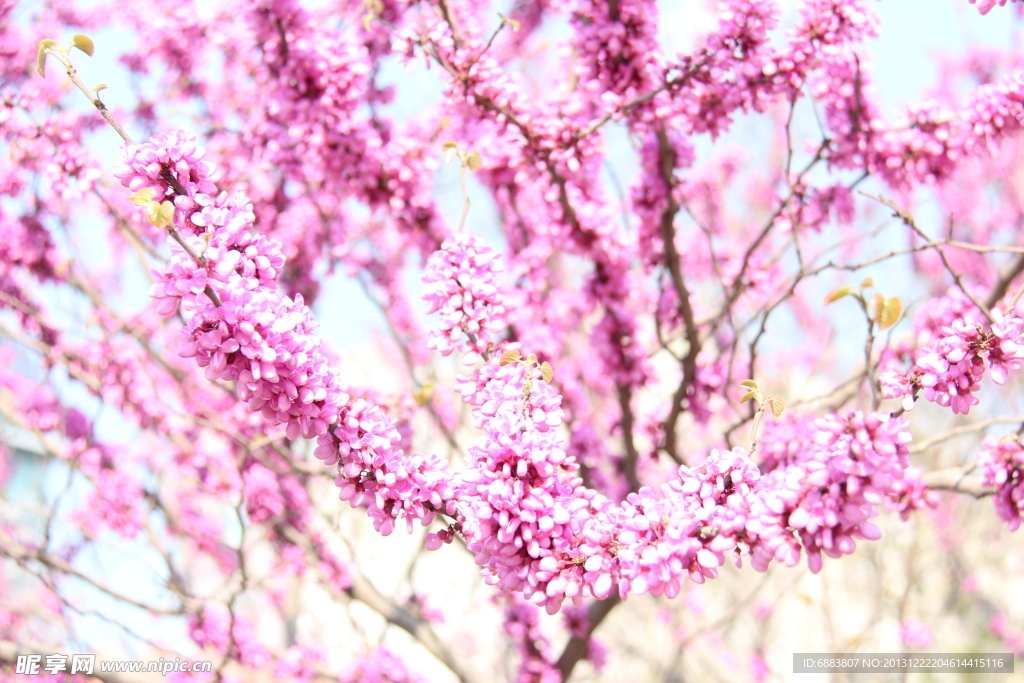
[[298, 663], [953, 357], [916, 634], [985, 6], [1002, 465], [462, 287], [652, 301], [381, 666]]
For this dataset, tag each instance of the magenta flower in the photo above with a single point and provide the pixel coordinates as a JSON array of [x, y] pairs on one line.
[[1002, 465], [462, 287], [916, 634]]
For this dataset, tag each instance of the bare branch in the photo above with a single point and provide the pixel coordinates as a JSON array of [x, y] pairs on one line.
[[955, 479], [909, 221], [577, 647]]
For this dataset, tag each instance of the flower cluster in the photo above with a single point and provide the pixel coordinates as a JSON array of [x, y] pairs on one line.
[[262, 494], [618, 48], [298, 663], [306, 120], [1002, 464], [114, 504], [265, 341], [381, 666], [812, 207], [645, 297], [372, 473], [541, 533], [911, 493], [25, 245], [824, 501], [702, 516], [516, 497], [209, 627], [172, 158], [546, 536], [930, 140], [727, 76], [462, 285], [784, 441], [533, 526], [522, 624], [950, 370]]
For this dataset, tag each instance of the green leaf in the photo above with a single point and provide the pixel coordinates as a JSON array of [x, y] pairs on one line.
[[837, 294], [509, 357], [143, 197], [166, 213], [749, 395], [160, 215], [83, 43], [449, 148], [423, 394], [890, 312], [511, 22], [44, 45], [868, 282], [547, 372], [749, 383], [776, 404], [474, 160]]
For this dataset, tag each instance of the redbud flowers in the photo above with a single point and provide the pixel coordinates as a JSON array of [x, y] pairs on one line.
[[950, 369], [461, 285], [1002, 464]]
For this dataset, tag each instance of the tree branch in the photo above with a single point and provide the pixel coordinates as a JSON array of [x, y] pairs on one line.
[[1003, 285], [955, 479], [577, 647], [629, 466], [671, 254]]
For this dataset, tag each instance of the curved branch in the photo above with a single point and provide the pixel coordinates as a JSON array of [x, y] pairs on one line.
[[955, 479], [362, 590], [21, 555], [671, 254]]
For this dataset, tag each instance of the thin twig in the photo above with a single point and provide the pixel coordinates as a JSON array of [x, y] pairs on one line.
[[909, 221], [465, 196]]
